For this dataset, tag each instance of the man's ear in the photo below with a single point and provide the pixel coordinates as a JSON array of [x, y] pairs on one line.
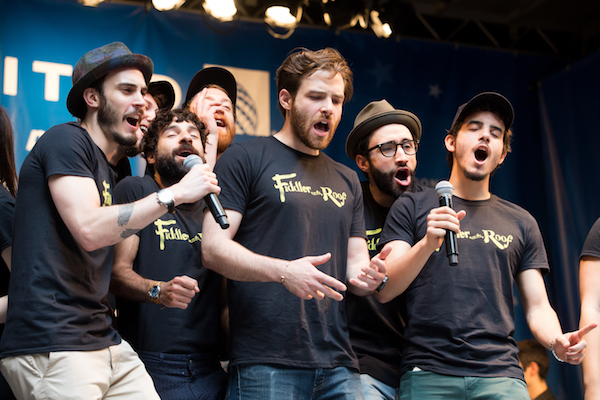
[[150, 159], [363, 163], [285, 99], [91, 97], [449, 142]]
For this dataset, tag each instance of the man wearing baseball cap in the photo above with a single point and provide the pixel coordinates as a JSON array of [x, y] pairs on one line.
[[384, 144], [58, 341], [213, 94], [460, 325]]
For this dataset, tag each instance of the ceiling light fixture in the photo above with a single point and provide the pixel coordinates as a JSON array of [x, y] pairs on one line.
[[223, 10], [283, 15], [90, 3], [166, 5], [380, 29]]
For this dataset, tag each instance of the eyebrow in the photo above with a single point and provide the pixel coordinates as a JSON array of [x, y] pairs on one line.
[[481, 123]]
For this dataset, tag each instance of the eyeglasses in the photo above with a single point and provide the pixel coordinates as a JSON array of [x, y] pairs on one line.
[[388, 149]]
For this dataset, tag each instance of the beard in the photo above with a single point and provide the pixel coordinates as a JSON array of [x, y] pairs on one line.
[[226, 135], [385, 182], [302, 128], [475, 176], [109, 119], [170, 171]]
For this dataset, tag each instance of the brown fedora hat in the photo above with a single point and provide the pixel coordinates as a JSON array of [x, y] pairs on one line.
[[375, 115], [98, 62]]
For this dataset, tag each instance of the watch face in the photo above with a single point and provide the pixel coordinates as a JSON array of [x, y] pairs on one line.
[[154, 291], [165, 196]]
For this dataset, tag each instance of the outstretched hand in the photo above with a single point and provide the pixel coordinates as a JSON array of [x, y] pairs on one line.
[[570, 346], [371, 276], [305, 280]]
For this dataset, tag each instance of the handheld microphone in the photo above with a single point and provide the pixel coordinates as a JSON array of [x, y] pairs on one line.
[[444, 190], [211, 199]]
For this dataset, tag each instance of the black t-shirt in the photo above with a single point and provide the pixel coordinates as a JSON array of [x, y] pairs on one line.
[[56, 286], [169, 247], [376, 330], [591, 247], [460, 319], [7, 208], [293, 205]]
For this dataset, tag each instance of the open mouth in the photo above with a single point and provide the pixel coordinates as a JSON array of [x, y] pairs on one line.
[[220, 123], [322, 127], [481, 154], [403, 176], [144, 129], [133, 120], [184, 152]]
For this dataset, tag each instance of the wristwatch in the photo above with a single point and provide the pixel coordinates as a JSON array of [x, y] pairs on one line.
[[154, 291], [167, 199], [380, 287]]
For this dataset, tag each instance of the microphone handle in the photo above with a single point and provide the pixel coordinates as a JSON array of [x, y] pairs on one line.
[[216, 209], [450, 239]]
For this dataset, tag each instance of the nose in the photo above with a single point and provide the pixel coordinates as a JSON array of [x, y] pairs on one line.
[[327, 106], [186, 136], [400, 157]]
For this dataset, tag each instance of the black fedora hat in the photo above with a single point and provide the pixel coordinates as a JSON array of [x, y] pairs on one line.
[[507, 113], [163, 94], [375, 115], [212, 76], [98, 62]]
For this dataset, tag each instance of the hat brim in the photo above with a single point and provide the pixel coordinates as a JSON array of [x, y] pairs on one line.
[[366, 127], [163, 88], [494, 98], [75, 103], [212, 76]]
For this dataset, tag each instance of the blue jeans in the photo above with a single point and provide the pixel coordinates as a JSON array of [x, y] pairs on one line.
[[186, 376], [374, 389], [417, 385], [267, 382]]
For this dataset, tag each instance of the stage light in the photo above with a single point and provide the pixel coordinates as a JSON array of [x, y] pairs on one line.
[[90, 3], [283, 16], [223, 10], [166, 5], [343, 15], [381, 29]]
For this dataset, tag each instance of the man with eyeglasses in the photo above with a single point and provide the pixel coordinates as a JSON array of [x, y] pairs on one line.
[[384, 144]]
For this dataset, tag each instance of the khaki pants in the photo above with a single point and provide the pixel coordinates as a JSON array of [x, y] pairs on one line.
[[113, 373]]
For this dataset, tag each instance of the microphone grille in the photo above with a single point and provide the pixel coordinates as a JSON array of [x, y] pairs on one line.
[[191, 160], [444, 188]]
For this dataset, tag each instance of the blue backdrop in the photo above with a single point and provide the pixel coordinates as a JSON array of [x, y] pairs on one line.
[[554, 144]]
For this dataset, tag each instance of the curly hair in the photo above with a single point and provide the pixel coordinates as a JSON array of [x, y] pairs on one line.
[[303, 62], [164, 119]]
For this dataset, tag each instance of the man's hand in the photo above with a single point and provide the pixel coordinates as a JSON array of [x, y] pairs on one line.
[[178, 292], [372, 275], [570, 346], [439, 221], [195, 185], [305, 280]]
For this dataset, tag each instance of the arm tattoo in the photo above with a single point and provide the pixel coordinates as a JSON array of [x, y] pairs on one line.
[[128, 232], [125, 211]]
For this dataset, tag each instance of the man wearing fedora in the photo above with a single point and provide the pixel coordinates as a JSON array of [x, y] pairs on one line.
[[384, 144], [213, 94], [58, 341], [460, 324]]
